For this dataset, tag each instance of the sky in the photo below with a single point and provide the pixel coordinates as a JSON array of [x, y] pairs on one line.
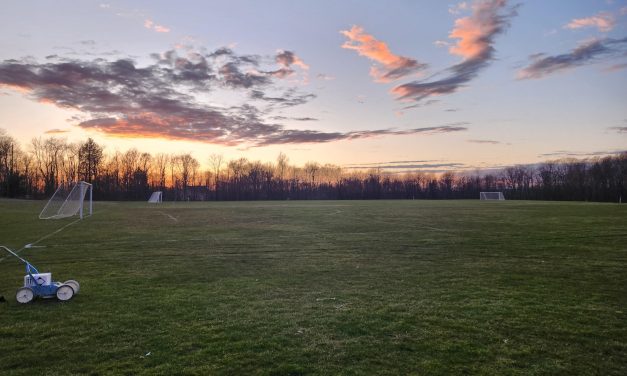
[[427, 85]]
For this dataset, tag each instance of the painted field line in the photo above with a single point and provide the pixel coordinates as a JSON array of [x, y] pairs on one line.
[[169, 216], [32, 245]]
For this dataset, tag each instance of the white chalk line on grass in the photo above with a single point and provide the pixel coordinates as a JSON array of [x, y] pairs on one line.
[[169, 216], [31, 245], [336, 212]]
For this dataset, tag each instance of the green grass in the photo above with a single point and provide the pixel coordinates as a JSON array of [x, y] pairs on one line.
[[295, 288]]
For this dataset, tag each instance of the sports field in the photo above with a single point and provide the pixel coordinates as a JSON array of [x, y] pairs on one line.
[[322, 287]]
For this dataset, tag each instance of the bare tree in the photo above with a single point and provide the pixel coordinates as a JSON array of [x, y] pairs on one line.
[[187, 166], [282, 164], [174, 183], [9, 173], [70, 162], [160, 165], [90, 157], [48, 154], [215, 161], [312, 168], [130, 164]]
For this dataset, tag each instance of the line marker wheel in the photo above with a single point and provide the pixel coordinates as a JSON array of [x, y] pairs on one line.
[[24, 295], [75, 285], [65, 293]]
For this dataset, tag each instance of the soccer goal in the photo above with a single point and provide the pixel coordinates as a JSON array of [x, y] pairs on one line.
[[156, 197], [491, 196], [69, 200]]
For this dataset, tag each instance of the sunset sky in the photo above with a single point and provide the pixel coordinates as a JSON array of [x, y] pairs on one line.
[[404, 84]]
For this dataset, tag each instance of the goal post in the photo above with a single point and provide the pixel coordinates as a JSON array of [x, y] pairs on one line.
[[69, 200], [156, 197], [498, 196]]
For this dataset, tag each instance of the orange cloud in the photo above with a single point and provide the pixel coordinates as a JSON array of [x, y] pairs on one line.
[[16, 87], [56, 131], [367, 45], [287, 58], [604, 21], [394, 66], [476, 34], [474, 31]]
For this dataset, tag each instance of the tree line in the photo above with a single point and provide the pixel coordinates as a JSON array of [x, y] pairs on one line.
[[35, 171]]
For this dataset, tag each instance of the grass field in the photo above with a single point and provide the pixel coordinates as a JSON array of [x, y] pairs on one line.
[[321, 287]]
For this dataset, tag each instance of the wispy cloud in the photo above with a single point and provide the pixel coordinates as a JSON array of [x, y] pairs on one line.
[[234, 77], [389, 66], [618, 129], [489, 142], [586, 53], [476, 33], [325, 77], [56, 131], [286, 60], [169, 98], [475, 36], [305, 118], [615, 68], [604, 21], [289, 58], [572, 154], [136, 14], [149, 24], [458, 8], [289, 98], [391, 162], [299, 136], [161, 29], [413, 166]]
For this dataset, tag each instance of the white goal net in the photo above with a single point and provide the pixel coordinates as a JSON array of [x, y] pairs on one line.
[[68, 200], [156, 197], [491, 196]]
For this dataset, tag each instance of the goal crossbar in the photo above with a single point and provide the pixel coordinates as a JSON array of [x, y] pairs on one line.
[[156, 197], [491, 196], [66, 202]]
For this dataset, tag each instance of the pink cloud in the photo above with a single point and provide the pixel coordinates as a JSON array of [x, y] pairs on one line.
[[149, 24], [392, 66], [476, 34], [474, 31], [604, 21], [287, 58], [56, 131], [161, 29]]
